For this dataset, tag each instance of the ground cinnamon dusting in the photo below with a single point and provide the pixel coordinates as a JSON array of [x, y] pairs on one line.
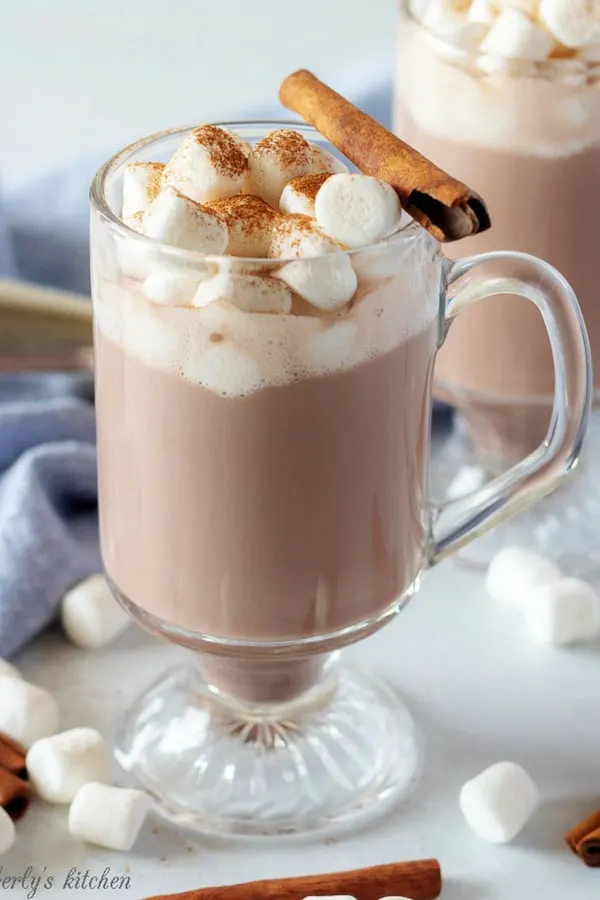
[[245, 211], [289, 147], [309, 185], [156, 171], [296, 225], [225, 152]]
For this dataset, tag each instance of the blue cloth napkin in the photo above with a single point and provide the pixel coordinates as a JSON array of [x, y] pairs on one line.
[[48, 521]]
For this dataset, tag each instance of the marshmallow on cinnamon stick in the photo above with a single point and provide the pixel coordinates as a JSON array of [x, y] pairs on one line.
[[445, 207]]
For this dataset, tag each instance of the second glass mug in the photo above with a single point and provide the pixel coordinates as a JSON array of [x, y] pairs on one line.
[[263, 489]]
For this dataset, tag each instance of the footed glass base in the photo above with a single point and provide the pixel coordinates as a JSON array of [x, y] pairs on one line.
[[561, 526], [342, 752]]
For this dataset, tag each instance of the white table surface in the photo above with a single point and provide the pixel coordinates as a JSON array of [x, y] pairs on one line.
[[481, 691]]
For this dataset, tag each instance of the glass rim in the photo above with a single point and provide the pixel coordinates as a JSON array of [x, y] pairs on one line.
[[99, 202], [558, 64]]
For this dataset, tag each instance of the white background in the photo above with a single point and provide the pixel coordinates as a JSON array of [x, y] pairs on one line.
[[85, 76]]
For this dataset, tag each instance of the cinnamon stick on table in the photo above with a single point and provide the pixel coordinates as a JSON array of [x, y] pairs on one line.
[[420, 880], [584, 840], [445, 207], [12, 756], [15, 794]]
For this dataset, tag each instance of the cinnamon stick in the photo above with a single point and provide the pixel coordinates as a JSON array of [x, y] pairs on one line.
[[445, 207], [419, 880], [15, 794], [584, 840], [12, 756]]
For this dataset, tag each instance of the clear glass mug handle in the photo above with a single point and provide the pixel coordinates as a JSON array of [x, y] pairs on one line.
[[470, 280]]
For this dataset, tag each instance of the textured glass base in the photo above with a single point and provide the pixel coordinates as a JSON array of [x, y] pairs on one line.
[[344, 751], [562, 526]]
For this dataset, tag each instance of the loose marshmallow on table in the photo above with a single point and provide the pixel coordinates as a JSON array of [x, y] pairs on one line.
[[210, 163], [7, 670], [281, 156], [7, 831], [61, 764], [250, 221], [250, 293], [514, 571], [27, 712], [90, 615], [498, 803], [574, 23], [108, 816], [515, 36], [174, 219], [299, 194], [141, 184], [563, 612], [357, 210]]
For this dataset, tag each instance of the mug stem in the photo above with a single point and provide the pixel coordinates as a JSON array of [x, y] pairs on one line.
[[475, 278]]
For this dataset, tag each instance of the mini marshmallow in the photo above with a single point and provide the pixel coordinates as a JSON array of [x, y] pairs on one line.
[[110, 817], [224, 369], [7, 832], [448, 20], [141, 184], [563, 612], [171, 287], [574, 23], [90, 615], [210, 163], [527, 7], [281, 156], [514, 36], [482, 12], [27, 712], [176, 220], [325, 162], [250, 221], [499, 802], [335, 347], [7, 670], [466, 480], [357, 210], [250, 293], [328, 282], [60, 765], [297, 236], [514, 571], [299, 194]]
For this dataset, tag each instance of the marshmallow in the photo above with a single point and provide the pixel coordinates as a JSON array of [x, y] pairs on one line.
[[250, 293], [527, 7], [59, 765], [90, 615], [498, 803], [447, 19], [141, 184], [249, 221], [514, 36], [574, 23], [7, 670], [299, 236], [210, 163], [224, 369], [7, 831], [176, 220], [467, 480], [327, 282], [335, 347], [299, 194], [514, 571], [27, 712], [482, 12], [357, 210], [324, 162], [171, 287], [281, 156], [108, 816], [563, 612]]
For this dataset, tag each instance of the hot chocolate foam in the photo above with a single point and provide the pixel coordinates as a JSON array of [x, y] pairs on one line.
[[546, 109], [235, 353]]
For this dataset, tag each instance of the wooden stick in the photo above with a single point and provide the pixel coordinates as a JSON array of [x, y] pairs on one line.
[[445, 207], [420, 880]]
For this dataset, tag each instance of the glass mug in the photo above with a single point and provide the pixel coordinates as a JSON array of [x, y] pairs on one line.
[[263, 490], [525, 135]]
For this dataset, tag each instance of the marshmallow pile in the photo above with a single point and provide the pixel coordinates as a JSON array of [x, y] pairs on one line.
[[558, 610], [71, 767], [281, 199], [515, 29]]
